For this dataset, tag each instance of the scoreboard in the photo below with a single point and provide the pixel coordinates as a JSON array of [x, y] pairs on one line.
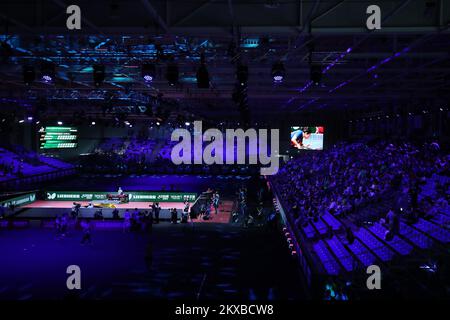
[[58, 137]]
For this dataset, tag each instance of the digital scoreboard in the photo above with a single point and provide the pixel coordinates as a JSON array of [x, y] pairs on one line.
[[58, 137]]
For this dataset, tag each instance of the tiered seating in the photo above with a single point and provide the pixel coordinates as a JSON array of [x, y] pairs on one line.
[[334, 223], [22, 167], [346, 259], [111, 145], [140, 148], [327, 259], [321, 227], [29, 167], [166, 149], [433, 230], [419, 239], [398, 244], [309, 231], [55, 163], [361, 252], [7, 176], [380, 249], [441, 219], [350, 184], [429, 189]]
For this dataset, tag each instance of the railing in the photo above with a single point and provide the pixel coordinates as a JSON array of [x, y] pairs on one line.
[[301, 252]]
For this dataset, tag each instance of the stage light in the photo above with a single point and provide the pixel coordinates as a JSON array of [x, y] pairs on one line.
[[30, 118], [21, 121], [278, 78], [148, 71], [28, 74], [316, 74], [47, 71], [60, 123], [278, 72], [187, 124], [98, 74], [172, 74], [157, 123], [242, 74], [93, 123], [202, 77]]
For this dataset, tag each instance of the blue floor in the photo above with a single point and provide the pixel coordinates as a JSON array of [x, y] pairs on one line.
[[210, 262]]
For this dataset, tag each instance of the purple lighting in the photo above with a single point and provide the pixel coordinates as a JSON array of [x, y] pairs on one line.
[[306, 86], [341, 56], [388, 59], [339, 86]]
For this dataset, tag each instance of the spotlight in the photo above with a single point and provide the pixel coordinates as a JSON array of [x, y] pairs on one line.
[[93, 123], [148, 72], [157, 123], [98, 74], [187, 124], [172, 73], [278, 72], [242, 74], [30, 118], [316, 74], [60, 123], [28, 74], [202, 77], [47, 71], [21, 121]]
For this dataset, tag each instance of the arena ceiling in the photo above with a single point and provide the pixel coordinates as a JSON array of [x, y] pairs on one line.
[[407, 61]]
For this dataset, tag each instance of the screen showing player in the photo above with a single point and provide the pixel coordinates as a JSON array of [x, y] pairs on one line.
[[307, 138]]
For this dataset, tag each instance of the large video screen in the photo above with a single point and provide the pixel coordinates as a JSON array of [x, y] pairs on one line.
[[307, 138], [58, 137]]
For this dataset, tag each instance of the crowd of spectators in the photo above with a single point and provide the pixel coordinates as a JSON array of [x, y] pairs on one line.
[[17, 162], [348, 177]]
